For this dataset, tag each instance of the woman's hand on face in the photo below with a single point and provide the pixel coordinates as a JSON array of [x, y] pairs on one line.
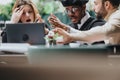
[[39, 19], [17, 13], [46, 30]]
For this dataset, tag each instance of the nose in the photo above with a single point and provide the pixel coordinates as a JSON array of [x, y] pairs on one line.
[[27, 14], [70, 14], [93, 8]]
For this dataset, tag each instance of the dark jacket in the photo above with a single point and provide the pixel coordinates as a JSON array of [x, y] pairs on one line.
[[90, 23]]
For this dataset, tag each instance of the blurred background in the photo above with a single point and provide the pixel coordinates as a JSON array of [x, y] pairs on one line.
[[45, 7]]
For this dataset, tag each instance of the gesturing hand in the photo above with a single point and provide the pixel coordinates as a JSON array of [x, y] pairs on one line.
[[66, 36], [56, 22], [17, 13], [39, 19]]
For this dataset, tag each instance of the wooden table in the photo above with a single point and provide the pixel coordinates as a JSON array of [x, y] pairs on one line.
[[17, 67]]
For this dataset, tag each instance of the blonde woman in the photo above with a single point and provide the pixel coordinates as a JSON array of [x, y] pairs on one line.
[[24, 11]]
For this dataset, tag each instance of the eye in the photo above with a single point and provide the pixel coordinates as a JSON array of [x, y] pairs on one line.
[[30, 11], [66, 10], [74, 9], [95, 3]]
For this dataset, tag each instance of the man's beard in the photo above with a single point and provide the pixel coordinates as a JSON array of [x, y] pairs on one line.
[[99, 16]]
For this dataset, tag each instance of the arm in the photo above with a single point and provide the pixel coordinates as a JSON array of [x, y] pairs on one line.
[[95, 34], [16, 15], [86, 36]]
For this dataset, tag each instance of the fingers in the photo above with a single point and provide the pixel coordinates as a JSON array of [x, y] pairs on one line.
[[59, 31], [46, 31], [39, 19], [17, 13], [66, 36], [16, 9], [19, 9], [53, 20], [52, 15]]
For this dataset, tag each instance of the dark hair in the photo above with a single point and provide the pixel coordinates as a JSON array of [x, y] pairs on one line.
[[73, 2], [115, 3]]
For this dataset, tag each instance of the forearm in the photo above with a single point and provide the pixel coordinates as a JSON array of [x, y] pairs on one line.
[[69, 28], [89, 36], [72, 30]]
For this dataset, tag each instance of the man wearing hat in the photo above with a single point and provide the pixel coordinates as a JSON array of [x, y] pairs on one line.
[[80, 18], [109, 32]]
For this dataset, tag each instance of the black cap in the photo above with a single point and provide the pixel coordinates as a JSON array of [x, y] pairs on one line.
[[73, 2]]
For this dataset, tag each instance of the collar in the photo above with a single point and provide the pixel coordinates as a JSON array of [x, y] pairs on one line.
[[109, 14], [84, 19]]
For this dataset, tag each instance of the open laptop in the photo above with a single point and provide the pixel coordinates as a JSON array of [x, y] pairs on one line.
[[32, 33]]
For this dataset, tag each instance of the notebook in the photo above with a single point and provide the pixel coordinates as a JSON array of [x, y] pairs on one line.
[[32, 33]]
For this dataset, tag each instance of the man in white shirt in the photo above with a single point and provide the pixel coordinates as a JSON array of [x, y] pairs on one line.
[[80, 18], [110, 32]]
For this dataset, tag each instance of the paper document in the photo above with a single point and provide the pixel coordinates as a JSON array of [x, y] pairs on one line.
[[14, 47]]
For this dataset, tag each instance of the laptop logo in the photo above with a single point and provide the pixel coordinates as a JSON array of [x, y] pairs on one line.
[[25, 37]]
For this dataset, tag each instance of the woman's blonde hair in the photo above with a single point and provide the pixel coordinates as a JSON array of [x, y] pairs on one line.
[[19, 3]]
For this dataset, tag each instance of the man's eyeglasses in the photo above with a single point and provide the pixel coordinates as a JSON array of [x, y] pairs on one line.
[[73, 10]]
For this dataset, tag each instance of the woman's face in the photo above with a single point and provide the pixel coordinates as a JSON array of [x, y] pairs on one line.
[[28, 14]]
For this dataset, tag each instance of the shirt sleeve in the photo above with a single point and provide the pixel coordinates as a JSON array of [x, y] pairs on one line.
[[72, 30], [99, 33]]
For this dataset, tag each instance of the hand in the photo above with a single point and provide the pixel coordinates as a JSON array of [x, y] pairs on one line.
[[39, 19], [66, 36], [17, 13], [56, 22], [46, 30]]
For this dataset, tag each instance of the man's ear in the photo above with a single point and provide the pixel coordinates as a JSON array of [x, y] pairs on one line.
[[84, 7], [107, 5]]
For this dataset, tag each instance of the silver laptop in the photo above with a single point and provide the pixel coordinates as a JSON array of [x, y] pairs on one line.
[[32, 33]]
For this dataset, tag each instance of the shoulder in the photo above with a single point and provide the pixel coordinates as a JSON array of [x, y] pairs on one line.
[[72, 25], [98, 22], [93, 22], [115, 14], [114, 19]]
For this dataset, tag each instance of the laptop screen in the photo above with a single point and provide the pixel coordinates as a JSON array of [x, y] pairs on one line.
[[32, 33]]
